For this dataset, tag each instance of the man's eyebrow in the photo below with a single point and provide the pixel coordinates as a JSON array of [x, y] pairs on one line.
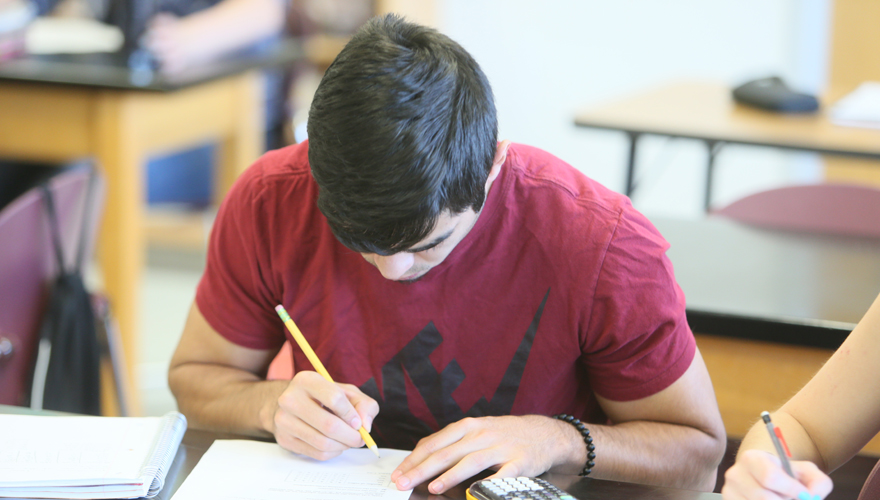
[[428, 246]]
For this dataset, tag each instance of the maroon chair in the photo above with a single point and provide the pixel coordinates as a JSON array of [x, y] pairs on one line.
[[871, 489], [842, 209], [28, 267]]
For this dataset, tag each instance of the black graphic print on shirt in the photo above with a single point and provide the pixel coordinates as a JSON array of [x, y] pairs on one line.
[[397, 427]]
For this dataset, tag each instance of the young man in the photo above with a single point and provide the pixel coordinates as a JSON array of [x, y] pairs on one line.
[[464, 290]]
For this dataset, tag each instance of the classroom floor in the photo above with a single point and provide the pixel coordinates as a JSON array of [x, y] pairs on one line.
[[167, 292]]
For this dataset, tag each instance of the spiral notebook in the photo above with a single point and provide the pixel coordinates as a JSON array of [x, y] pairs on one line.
[[87, 457]]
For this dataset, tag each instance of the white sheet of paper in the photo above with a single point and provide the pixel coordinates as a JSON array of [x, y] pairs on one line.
[[60, 35], [253, 470], [65, 451], [860, 108]]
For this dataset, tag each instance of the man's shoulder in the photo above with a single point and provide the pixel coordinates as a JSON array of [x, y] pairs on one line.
[[277, 170], [288, 161], [546, 175]]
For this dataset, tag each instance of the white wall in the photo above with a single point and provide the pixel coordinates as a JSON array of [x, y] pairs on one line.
[[546, 59]]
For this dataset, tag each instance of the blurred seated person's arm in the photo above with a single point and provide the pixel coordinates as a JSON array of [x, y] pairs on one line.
[[40, 7], [179, 42]]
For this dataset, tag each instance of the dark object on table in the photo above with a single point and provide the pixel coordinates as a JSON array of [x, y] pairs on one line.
[[774, 95]]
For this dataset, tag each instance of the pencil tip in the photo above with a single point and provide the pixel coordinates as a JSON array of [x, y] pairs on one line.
[[376, 451]]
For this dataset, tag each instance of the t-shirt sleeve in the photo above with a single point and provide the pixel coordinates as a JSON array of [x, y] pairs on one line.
[[236, 292], [639, 341]]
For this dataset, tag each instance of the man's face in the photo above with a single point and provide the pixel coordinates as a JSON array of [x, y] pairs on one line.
[[410, 265]]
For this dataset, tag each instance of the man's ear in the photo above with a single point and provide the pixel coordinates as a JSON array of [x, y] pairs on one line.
[[500, 158]]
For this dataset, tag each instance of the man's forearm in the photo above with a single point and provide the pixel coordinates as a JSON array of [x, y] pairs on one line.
[[225, 399], [657, 453]]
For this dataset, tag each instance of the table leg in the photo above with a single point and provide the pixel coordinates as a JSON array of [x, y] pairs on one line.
[[244, 144], [631, 163], [714, 147], [121, 241]]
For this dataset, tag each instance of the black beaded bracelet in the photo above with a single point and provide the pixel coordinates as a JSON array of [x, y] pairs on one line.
[[588, 440]]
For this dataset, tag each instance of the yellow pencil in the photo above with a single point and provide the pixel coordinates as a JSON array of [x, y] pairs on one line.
[[313, 358]]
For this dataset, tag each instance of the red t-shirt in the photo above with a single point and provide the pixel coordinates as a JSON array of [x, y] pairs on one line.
[[560, 289]]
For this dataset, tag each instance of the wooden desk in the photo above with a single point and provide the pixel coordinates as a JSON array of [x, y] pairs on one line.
[[196, 443], [55, 109], [707, 112], [768, 306]]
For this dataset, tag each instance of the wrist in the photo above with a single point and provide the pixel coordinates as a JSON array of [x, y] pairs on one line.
[[273, 392], [582, 442]]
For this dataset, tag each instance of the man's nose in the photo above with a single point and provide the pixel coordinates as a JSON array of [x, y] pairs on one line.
[[395, 266]]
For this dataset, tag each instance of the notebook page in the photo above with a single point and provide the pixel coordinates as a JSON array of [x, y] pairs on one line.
[[265, 471], [69, 451]]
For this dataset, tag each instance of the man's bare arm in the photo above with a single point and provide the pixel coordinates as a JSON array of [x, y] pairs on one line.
[[218, 384], [673, 438]]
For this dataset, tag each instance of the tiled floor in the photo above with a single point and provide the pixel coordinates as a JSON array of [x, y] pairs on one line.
[[167, 293]]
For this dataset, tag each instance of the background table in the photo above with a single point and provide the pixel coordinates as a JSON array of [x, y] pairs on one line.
[[761, 284], [59, 108], [768, 307], [707, 112]]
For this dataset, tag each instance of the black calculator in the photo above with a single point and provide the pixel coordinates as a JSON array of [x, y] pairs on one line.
[[515, 488]]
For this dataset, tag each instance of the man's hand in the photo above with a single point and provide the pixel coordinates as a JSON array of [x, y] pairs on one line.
[[514, 446], [320, 419], [758, 475]]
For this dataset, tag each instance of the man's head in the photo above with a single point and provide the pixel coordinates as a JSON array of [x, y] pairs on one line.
[[402, 132]]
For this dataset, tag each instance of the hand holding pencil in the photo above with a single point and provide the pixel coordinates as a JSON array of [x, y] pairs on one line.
[[759, 474], [319, 367]]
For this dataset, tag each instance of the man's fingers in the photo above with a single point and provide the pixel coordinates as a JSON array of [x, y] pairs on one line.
[[439, 452], [366, 407], [322, 406], [427, 446], [326, 422], [296, 445], [471, 464], [336, 400], [289, 427]]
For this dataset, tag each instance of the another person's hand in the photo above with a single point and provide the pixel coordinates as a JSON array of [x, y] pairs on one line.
[[514, 446], [321, 419], [172, 43], [758, 475]]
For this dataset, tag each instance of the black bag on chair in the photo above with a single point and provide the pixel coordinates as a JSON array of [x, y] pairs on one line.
[[67, 370]]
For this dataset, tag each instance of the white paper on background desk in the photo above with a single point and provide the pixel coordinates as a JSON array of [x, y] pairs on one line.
[[61, 35], [253, 470], [860, 108]]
